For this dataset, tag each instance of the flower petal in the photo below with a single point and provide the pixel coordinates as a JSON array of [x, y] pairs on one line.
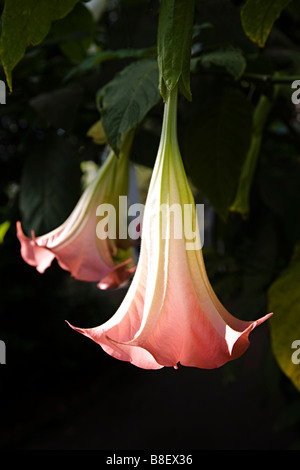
[[75, 243], [33, 254], [170, 313]]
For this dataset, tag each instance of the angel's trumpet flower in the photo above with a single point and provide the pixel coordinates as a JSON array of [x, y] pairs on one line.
[[170, 314], [75, 244]]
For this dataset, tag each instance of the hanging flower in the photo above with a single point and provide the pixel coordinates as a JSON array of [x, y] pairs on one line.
[[77, 244], [170, 314]]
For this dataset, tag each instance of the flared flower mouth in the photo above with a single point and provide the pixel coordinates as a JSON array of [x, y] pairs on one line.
[[170, 314], [75, 243]]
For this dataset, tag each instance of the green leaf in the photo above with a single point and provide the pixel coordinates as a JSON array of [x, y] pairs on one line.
[[75, 32], [241, 203], [25, 23], [230, 58], [216, 145], [50, 185], [174, 40], [258, 17], [125, 101], [284, 302], [4, 227], [96, 132], [105, 56]]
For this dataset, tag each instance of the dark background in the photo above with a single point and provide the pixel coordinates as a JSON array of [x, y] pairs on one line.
[[58, 389], [61, 391]]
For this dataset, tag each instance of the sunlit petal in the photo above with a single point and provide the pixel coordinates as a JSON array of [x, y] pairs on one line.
[[171, 314], [75, 244]]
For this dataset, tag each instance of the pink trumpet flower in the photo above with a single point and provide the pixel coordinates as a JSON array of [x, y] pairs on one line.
[[170, 313], [75, 243]]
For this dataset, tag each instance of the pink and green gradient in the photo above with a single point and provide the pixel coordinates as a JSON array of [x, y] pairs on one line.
[[170, 314]]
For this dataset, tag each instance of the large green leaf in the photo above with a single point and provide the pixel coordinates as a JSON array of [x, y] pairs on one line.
[[98, 58], [229, 58], [50, 185], [126, 100], [216, 145], [259, 16], [25, 23], [174, 41], [284, 302]]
